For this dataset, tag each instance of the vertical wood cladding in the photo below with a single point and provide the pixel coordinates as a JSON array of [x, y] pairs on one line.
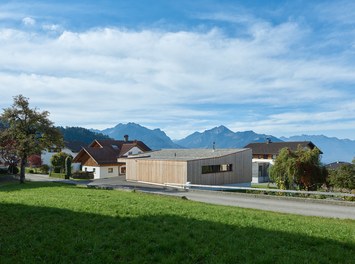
[[178, 171]]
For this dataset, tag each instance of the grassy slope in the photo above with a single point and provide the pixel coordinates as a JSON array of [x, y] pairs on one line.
[[46, 222]]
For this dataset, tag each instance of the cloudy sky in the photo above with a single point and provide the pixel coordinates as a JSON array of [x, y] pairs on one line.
[[277, 67]]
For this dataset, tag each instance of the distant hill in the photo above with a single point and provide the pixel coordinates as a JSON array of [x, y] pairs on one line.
[[80, 134], [155, 139], [223, 138], [334, 149]]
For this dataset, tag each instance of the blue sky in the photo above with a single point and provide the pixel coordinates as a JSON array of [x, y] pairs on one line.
[[277, 67]]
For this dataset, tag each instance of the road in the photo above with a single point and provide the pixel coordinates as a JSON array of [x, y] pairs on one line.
[[308, 207]]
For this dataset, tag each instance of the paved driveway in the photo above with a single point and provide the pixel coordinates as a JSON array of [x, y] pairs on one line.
[[309, 207]]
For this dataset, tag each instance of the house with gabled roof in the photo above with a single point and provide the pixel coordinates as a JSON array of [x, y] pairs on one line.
[[265, 153], [71, 148], [101, 156]]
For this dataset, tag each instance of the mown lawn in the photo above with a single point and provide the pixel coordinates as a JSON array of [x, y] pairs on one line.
[[53, 223]]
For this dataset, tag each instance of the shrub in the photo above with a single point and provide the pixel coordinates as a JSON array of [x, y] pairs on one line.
[[13, 169], [44, 169], [3, 171], [343, 177], [83, 175], [56, 169]]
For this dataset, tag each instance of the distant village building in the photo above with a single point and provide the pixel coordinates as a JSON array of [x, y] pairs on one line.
[[264, 155], [336, 165], [101, 156], [70, 147]]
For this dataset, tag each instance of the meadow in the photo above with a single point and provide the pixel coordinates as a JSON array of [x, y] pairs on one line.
[[55, 223]]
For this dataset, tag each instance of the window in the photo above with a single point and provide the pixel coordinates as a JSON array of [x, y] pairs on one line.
[[123, 170], [110, 170], [217, 168]]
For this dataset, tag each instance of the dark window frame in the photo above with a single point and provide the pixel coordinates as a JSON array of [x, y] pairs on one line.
[[207, 169]]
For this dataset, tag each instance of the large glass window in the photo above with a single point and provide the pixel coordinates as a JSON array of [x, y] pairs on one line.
[[217, 168]]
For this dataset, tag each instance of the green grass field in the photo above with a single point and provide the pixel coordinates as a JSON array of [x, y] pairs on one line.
[[53, 223]]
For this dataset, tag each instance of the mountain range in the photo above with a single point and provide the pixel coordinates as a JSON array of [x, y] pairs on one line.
[[333, 149], [155, 139]]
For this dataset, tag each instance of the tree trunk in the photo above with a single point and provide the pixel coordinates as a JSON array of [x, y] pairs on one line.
[[22, 169]]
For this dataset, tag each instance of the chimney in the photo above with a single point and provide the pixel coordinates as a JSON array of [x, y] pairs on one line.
[[125, 138], [268, 140]]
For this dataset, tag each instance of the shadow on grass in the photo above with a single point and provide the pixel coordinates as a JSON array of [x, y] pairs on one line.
[[15, 185], [31, 234]]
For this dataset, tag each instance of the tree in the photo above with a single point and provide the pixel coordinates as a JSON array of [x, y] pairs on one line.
[[35, 160], [29, 130], [58, 161], [68, 161], [8, 153], [298, 169], [343, 177]]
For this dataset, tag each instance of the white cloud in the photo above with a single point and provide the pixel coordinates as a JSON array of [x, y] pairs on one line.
[[53, 27], [29, 21], [105, 76]]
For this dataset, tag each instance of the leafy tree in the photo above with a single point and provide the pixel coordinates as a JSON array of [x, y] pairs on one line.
[[8, 152], [343, 177], [298, 169], [58, 160], [34, 160], [29, 130]]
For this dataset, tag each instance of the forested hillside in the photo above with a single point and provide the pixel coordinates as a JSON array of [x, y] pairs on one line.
[[80, 134]]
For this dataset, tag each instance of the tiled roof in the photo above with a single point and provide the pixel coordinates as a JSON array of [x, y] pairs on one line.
[[274, 148], [336, 165], [186, 154], [74, 146], [109, 150]]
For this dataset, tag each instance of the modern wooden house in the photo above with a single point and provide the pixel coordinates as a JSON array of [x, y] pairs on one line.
[[197, 166], [264, 155], [101, 156]]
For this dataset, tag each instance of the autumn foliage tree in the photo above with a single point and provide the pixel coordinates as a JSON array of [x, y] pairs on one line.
[[29, 131], [34, 160], [8, 152], [300, 169]]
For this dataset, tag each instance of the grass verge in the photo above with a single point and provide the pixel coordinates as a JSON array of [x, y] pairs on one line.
[[49, 222]]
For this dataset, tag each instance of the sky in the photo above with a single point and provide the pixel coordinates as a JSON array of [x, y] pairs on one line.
[[275, 67]]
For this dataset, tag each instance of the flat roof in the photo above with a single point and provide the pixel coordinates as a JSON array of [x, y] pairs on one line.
[[185, 154]]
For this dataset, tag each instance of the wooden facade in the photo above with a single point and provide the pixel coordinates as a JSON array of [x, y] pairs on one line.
[[156, 171], [191, 170]]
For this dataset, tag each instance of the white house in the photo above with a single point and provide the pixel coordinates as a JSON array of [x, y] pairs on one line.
[[101, 156], [265, 153], [70, 147]]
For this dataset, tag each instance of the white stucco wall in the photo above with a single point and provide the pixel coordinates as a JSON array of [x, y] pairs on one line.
[[102, 172], [255, 169], [46, 156], [133, 151]]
